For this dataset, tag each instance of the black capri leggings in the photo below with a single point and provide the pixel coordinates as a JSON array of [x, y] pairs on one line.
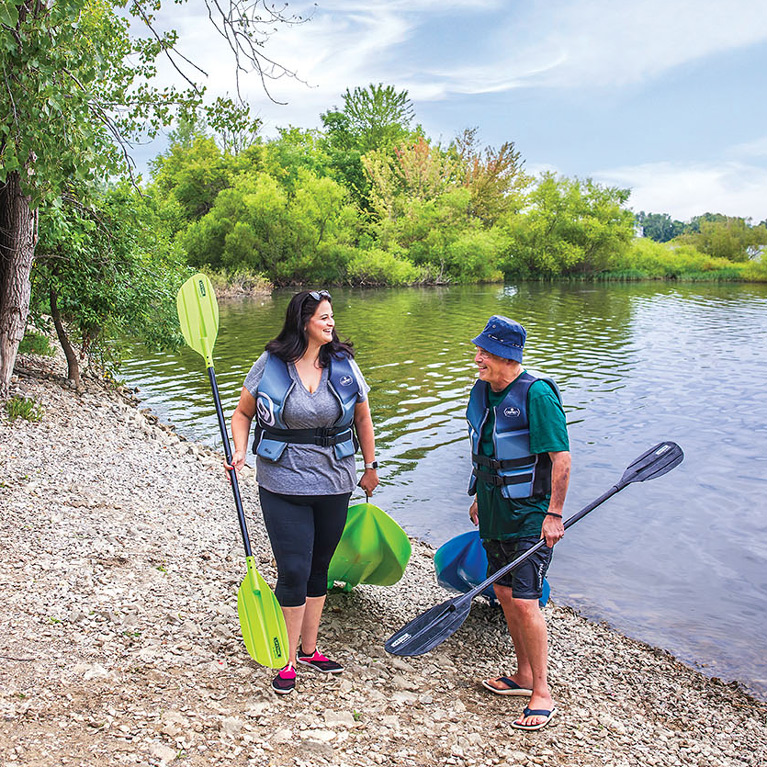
[[304, 531]]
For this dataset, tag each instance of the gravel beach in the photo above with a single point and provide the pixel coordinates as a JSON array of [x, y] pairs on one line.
[[120, 562]]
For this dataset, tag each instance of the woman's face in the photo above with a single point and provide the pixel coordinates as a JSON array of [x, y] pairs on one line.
[[319, 329]]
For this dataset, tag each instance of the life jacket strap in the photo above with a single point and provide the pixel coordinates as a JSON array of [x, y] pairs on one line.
[[499, 481], [495, 464], [326, 436]]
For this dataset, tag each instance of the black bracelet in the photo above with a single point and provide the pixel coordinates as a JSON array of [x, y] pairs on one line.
[[552, 514]]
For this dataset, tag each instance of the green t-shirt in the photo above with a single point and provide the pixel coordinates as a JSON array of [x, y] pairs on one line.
[[501, 518]]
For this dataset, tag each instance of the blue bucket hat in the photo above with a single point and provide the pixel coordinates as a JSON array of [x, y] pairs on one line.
[[502, 337]]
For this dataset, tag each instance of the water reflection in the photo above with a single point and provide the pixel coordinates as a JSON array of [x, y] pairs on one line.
[[679, 563]]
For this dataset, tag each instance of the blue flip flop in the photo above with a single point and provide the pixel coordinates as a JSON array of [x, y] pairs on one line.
[[535, 712], [512, 687]]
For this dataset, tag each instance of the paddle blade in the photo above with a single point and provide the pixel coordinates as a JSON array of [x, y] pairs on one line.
[[431, 628], [198, 315], [656, 462], [261, 620]]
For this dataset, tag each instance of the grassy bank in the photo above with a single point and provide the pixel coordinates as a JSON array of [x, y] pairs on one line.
[[650, 260]]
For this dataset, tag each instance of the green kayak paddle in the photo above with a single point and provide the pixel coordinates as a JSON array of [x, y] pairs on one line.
[[261, 618], [373, 549], [434, 626]]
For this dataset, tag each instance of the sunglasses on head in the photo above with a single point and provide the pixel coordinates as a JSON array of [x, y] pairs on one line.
[[318, 295]]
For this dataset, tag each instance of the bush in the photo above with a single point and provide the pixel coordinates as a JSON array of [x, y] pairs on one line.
[[36, 343], [656, 260], [239, 282], [381, 267], [21, 407]]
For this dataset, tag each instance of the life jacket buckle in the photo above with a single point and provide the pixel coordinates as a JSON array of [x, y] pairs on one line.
[[325, 436]]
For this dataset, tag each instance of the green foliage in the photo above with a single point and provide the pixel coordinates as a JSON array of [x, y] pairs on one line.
[[187, 178], [22, 407], [66, 68], [112, 271], [567, 227], [289, 238], [373, 118], [381, 267], [36, 343], [494, 177], [296, 150], [727, 237], [647, 259], [376, 118], [367, 200], [659, 226]]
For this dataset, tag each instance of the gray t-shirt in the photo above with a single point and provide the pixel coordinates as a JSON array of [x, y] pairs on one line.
[[307, 469]]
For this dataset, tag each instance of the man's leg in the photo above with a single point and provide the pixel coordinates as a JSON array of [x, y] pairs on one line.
[[528, 633]]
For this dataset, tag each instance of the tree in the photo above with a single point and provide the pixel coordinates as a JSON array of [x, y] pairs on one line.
[[727, 237], [659, 226], [494, 177], [75, 90], [289, 235], [568, 226], [105, 270], [375, 118]]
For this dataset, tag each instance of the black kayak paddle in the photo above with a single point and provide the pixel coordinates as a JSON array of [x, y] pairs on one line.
[[434, 626]]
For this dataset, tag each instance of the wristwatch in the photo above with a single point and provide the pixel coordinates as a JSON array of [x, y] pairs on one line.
[[373, 465]]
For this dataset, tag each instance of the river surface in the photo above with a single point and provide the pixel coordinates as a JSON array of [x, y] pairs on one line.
[[679, 562]]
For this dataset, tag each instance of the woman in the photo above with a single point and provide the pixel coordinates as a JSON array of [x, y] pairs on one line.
[[308, 397]]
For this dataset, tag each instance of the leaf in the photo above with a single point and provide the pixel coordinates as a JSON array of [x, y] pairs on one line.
[[9, 14]]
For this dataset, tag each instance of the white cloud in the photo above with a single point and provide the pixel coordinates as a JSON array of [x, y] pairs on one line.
[[751, 149], [529, 43], [687, 190], [586, 43]]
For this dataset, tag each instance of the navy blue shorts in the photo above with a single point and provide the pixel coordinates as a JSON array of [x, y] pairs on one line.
[[525, 581]]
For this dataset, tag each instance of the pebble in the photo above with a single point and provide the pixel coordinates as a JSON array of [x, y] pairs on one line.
[[120, 559]]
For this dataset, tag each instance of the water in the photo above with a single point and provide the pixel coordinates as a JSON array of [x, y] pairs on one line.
[[680, 562]]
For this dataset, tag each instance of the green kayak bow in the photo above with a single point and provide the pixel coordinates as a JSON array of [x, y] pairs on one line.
[[373, 549]]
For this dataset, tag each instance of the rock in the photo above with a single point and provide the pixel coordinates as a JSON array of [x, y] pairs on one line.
[[231, 726], [96, 671], [164, 753], [339, 719]]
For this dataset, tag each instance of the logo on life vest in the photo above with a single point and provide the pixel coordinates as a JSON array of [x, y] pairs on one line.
[[265, 410], [511, 412], [346, 381]]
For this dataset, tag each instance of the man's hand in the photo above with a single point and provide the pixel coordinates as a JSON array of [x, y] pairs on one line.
[[474, 513], [553, 530]]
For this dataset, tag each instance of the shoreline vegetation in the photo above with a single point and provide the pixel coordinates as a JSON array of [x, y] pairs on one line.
[[366, 200], [121, 561]]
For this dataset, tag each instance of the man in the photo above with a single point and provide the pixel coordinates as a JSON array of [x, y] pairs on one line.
[[521, 458]]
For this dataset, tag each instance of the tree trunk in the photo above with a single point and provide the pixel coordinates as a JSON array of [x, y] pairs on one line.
[[18, 238], [73, 365]]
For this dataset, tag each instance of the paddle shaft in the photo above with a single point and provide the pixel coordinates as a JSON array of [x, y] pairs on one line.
[[542, 542], [228, 454]]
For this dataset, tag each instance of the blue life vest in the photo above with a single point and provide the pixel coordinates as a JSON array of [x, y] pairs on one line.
[[518, 472], [271, 435]]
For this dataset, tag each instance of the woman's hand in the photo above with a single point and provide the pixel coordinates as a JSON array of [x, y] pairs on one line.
[[238, 461], [369, 481]]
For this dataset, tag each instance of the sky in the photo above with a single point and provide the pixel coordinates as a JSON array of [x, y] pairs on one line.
[[665, 97]]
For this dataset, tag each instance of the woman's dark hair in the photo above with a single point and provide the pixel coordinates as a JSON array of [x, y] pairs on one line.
[[292, 340]]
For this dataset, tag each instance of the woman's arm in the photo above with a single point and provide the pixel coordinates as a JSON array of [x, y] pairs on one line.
[[241, 420], [363, 423]]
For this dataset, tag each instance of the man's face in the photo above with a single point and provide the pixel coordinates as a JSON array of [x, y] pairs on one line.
[[494, 370]]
